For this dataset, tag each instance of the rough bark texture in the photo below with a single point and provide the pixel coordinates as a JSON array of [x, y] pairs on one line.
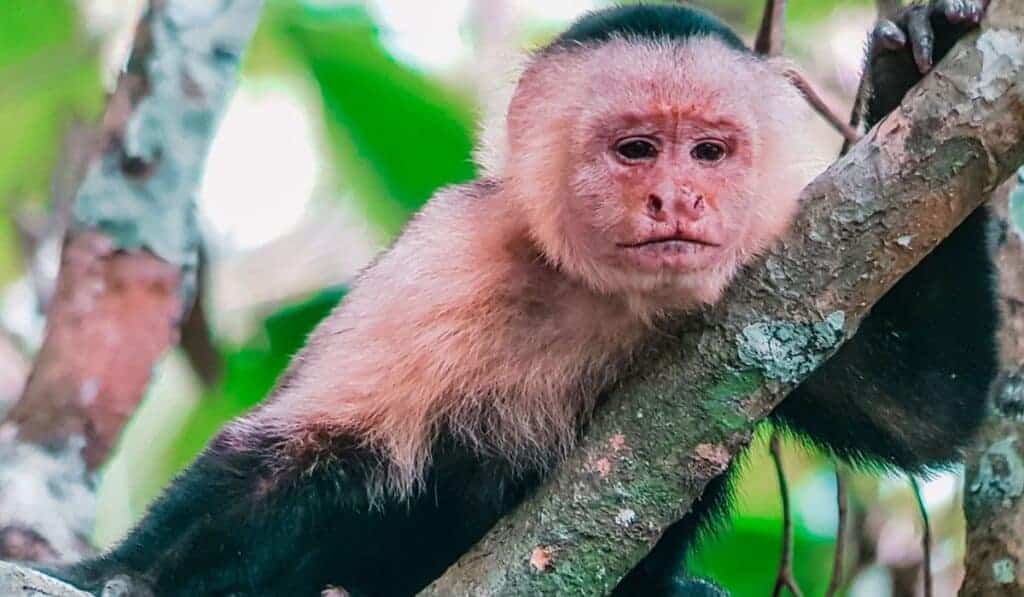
[[22, 582], [994, 496], [663, 434], [125, 277]]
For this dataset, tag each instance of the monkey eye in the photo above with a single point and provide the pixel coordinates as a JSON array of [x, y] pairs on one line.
[[635, 149], [709, 151]]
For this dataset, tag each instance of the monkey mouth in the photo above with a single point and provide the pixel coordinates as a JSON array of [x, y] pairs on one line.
[[680, 252], [669, 241]]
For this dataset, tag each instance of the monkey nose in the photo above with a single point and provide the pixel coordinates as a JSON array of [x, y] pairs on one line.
[[686, 205], [656, 208], [690, 205]]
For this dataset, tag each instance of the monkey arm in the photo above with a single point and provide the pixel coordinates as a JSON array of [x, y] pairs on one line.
[[257, 520], [233, 519]]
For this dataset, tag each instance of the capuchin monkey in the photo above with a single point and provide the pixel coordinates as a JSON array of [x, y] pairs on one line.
[[647, 156]]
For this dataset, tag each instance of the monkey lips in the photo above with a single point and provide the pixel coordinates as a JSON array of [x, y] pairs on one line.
[[680, 251]]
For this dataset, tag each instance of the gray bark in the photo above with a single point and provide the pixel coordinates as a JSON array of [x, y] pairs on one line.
[[16, 581]]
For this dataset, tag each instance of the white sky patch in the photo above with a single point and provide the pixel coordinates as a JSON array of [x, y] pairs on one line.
[[937, 492], [940, 491], [427, 34], [113, 23], [846, 32], [434, 35], [559, 10], [813, 492], [263, 168]]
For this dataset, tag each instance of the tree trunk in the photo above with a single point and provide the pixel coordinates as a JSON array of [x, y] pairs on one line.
[[126, 272], [994, 480]]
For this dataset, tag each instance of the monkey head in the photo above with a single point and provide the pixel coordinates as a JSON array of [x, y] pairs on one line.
[[655, 168]]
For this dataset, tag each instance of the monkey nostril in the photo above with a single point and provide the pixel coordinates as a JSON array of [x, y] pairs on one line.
[[654, 204], [698, 204]]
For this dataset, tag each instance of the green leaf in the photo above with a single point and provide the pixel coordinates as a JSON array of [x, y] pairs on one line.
[[399, 135]]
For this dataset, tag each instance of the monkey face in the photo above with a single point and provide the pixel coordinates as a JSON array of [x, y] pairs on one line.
[[656, 168], [666, 191]]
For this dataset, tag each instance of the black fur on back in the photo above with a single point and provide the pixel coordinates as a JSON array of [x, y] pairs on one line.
[[647, 21]]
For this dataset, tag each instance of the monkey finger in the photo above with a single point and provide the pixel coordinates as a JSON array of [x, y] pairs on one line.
[[922, 37], [961, 11], [887, 37]]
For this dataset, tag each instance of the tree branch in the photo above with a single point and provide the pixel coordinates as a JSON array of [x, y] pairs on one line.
[[839, 555], [785, 578], [17, 581], [693, 404], [771, 37], [926, 537], [125, 276]]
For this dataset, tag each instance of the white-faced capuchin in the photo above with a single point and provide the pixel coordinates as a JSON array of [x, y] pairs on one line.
[[647, 154]]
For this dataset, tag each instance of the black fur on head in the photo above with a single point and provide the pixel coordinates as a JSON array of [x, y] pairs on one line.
[[647, 21]]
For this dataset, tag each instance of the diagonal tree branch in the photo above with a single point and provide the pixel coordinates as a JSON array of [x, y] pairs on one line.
[[678, 422]]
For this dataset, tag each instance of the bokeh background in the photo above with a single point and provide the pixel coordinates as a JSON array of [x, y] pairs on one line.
[[347, 117]]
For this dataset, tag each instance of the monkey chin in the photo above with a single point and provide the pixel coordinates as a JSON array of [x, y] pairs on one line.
[[675, 275]]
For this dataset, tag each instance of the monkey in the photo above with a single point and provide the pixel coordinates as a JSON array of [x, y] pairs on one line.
[[646, 156]]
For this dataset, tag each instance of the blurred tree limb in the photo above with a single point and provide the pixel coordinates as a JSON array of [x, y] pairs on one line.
[[693, 404], [126, 277], [994, 483]]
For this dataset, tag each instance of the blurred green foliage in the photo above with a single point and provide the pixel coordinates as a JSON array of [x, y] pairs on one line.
[[397, 134], [50, 77]]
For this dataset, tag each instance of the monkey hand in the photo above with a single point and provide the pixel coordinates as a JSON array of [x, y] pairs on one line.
[[125, 586], [102, 581], [903, 49], [929, 30]]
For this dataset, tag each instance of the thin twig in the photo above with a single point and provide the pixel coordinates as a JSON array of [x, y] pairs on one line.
[[196, 336], [799, 81], [770, 41], [926, 538], [840, 553], [785, 578], [772, 36]]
